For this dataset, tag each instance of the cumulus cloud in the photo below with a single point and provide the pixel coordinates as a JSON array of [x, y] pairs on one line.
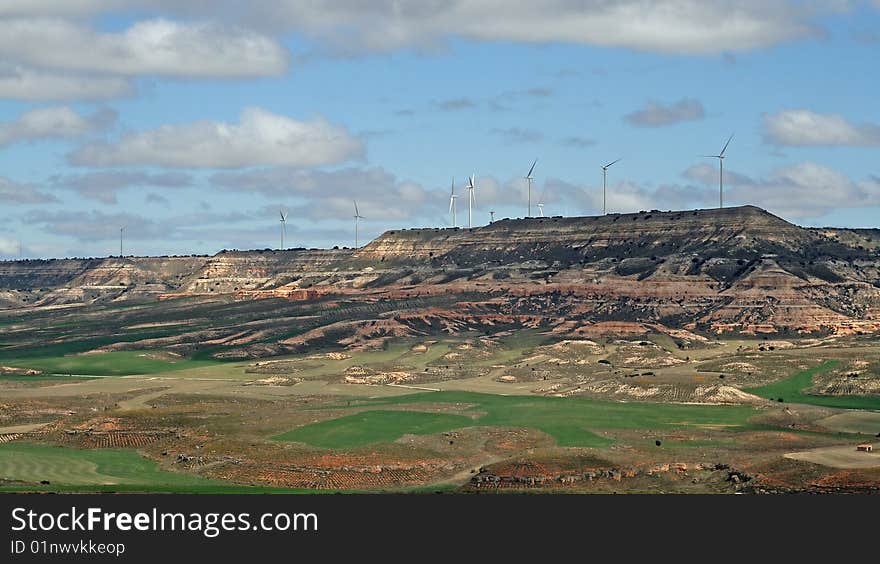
[[806, 128], [707, 174], [261, 138], [672, 26], [8, 246], [16, 193], [49, 123], [805, 189], [657, 115], [22, 83], [105, 186], [155, 46], [808, 189], [96, 225], [678, 26], [58, 7]]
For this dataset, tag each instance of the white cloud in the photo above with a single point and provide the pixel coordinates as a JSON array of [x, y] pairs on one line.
[[58, 7], [676, 26], [707, 174], [8, 246], [17, 193], [672, 26], [56, 122], [21, 83], [657, 115], [330, 194], [804, 128], [156, 46], [805, 189], [105, 186], [261, 138]]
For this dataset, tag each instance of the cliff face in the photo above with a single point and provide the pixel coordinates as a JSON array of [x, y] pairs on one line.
[[578, 238], [46, 282], [737, 269]]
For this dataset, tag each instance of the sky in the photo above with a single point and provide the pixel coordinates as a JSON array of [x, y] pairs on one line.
[[193, 123]]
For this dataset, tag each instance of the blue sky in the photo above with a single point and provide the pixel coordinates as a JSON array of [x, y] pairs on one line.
[[193, 126]]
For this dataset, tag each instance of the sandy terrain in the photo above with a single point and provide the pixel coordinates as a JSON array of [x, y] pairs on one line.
[[838, 457]]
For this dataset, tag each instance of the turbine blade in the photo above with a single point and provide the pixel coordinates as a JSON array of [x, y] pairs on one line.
[[451, 202], [532, 168], [721, 154], [612, 162], [356, 212]]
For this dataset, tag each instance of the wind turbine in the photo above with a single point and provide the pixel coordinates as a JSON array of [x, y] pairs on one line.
[[541, 204], [492, 216], [605, 184], [472, 199], [452, 199], [357, 218], [121, 229], [283, 226], [720, 157], [528, 177]]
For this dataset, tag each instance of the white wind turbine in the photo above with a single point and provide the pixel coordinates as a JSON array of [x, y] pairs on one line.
[[452, 198], [541, 203], [357, 218], [528, 178], [283, 225], [720, 157], [121, 230], [605, 185], [472, 199]]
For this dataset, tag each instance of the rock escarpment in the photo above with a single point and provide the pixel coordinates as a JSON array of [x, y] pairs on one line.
[[737, 269]]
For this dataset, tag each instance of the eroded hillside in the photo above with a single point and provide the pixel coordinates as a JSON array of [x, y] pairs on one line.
[[703, 271]]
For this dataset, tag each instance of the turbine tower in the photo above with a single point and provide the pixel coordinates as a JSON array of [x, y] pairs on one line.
[[121, 229], [283, 226], [452, 198], [528, 178], [492, 216], [720, 157], [471, 197], [357, 218], [605, 186], [541, 204]]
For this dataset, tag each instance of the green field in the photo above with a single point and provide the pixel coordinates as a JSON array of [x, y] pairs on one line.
[[573, 422], [75, 467], [791, 390], [119, 363], [373, 427]]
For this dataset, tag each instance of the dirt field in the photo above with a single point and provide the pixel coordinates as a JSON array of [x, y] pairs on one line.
[[839, 457]]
